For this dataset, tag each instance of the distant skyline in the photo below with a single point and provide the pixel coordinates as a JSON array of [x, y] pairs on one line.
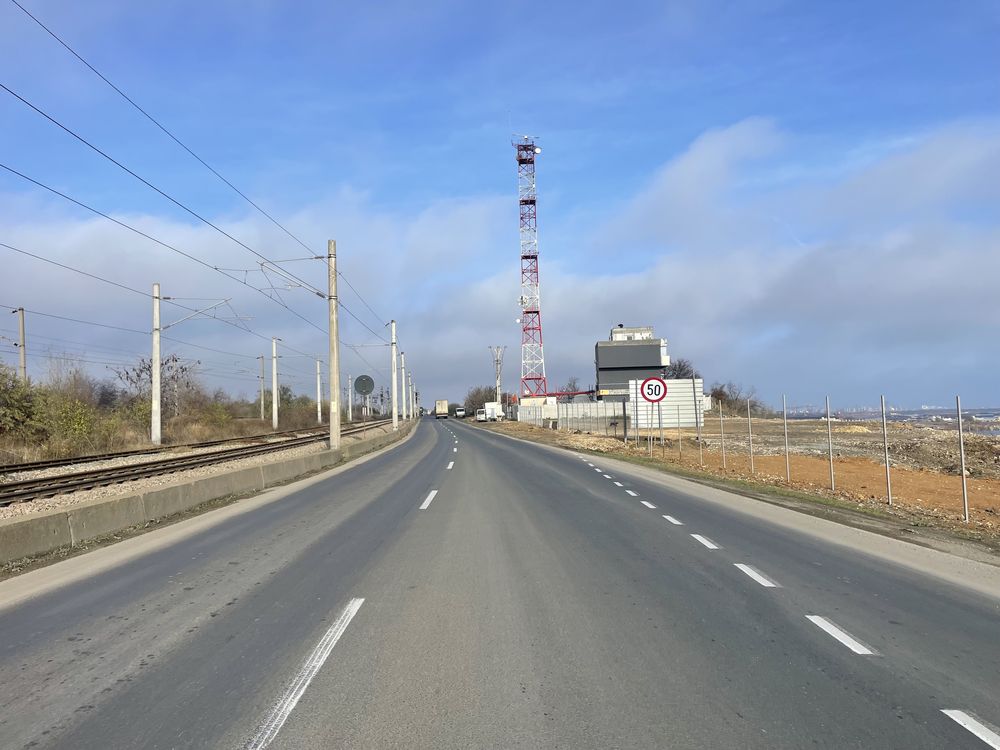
[[801, 197]]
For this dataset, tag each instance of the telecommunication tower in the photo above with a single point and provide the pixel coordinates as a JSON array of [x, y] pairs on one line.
[[533, 382], [496, 352]]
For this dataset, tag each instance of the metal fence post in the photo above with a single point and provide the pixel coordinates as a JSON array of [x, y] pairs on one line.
[[680, 449], [961, 453], [722, 436], [659, 421], [885, 447], [784, 419], [829, 442], [750, 436]]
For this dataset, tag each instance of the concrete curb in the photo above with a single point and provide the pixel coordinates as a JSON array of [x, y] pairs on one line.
[[64, 527]]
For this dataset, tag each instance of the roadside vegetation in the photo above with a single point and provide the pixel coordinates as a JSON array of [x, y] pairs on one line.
[[71, 413]]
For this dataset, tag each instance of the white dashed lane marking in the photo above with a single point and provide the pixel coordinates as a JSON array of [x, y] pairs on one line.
[[430, 498], [281, 710], [841, 635], [674, 521], [633, 494], [648, 504], [450, 464], [705, 540], [762, 580], [619, 484], [980, 730], [607, 476]]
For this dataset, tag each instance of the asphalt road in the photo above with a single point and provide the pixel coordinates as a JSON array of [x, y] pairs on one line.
[[486, 593]]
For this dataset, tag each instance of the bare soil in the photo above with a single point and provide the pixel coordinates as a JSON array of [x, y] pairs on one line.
[[926, 484]]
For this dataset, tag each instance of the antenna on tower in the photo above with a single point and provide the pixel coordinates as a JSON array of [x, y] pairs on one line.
[[497, 353], [533, 382]]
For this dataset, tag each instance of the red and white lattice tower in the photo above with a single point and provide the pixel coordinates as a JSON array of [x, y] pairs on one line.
[[533, 381]]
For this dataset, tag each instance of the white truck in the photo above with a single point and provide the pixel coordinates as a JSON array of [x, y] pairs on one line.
[[494, 411], [441, 409], [460, 412]]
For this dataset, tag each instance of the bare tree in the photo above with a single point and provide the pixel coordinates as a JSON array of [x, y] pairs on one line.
[[681, 369]]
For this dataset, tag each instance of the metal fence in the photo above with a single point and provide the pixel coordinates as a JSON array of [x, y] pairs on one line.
[[739, 438]]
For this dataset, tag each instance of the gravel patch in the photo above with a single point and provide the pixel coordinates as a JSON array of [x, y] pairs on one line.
[[151, 483]]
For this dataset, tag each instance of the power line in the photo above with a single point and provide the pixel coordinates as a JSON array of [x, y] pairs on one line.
[[161, 243], [150, 185], [184, 146]]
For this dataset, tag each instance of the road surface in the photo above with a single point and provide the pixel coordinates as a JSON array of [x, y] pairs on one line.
[[467, 590]]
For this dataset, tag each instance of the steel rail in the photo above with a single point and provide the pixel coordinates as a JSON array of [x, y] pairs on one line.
[[52, 463], [31, 489]]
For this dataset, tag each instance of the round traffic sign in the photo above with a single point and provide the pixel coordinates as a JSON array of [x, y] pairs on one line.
[[364, 384], [653, 390]]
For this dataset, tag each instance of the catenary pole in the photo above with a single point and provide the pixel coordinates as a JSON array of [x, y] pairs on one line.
[[261, 358], [331, 261], [154, 370], [319, 393], [274, 383], [395, 375], [22, 350], [350, 398], [402, 389]]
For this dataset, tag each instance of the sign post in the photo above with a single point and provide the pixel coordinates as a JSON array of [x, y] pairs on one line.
[[364, 385], [653, 391]]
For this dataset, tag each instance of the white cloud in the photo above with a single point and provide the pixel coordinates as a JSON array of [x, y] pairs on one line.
[[898, 295]]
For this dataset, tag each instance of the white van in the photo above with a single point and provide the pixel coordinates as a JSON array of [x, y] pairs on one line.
[[480, 415]]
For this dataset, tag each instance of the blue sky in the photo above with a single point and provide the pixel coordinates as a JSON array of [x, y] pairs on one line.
[[799, 196]]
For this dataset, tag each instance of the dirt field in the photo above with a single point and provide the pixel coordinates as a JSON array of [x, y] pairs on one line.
[[924, 464]]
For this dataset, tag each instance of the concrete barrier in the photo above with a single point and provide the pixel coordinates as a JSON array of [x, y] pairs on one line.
[[49, 530]]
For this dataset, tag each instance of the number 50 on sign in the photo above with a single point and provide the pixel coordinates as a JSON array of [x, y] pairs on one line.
[[653, 390]]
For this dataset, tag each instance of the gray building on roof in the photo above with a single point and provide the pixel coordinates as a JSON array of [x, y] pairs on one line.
[[628, 354]]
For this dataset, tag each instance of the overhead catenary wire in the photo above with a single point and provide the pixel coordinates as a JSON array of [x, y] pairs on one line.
[[186, 148], [158, 241]]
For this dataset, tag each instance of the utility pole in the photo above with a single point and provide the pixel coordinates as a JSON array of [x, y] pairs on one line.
[[22, 352], [331, 261], [395, 385], [154, 422], [413, 413], [497, 352], [261, 358], [319, 394], [274, 383], [402, 364], [350, 399]]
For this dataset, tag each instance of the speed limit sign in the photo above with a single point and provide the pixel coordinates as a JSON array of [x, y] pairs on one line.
[[653, 390]]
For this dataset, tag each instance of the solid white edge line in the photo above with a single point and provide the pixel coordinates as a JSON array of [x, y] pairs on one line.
[[281, 710], [450, 464], [756, 576], [674, 521], [841, 635], [619, 484], [983, 732], [633, 494], [648, 504], [430, 498], [706, 541]]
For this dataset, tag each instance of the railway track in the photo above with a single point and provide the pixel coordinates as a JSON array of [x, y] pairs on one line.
[[94, 457], [31, 489]]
